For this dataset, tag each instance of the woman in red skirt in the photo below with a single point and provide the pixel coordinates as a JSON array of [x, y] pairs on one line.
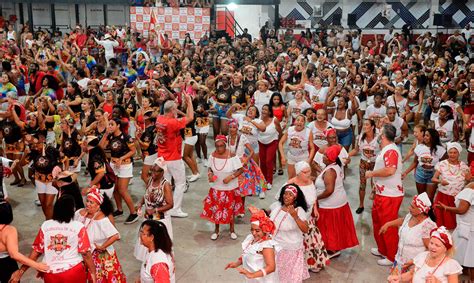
[[335, 218], [223, 201], [451, 175]]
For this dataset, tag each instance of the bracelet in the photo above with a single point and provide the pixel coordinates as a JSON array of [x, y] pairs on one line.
[[264, 272]]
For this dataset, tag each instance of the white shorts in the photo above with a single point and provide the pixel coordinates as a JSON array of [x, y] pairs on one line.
[[203, 130], [191, 140], [363, 105], [123, 171], [150, 159], [108, 192], [132, 129], [45, 188], [292, 160]]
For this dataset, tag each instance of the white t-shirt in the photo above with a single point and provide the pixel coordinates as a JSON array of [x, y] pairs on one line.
[[426, 158], [287, 233], [454, 175], [297, 109], [152, 259], [374, 112], [368, 150], [319, 136], [298, 142], [62, 244], [390, 186], [262, 98], [270, 134], [248, 129], [316, 95], [449, 267]]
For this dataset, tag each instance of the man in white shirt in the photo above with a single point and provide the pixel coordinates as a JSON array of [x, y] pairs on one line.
[[389, 192], [109, 43]]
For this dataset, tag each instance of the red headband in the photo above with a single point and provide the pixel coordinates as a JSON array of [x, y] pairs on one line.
[[330, 131], [95, 195], [232, 122], [221, 138], [292, 189], [333, 152], [442, 234]]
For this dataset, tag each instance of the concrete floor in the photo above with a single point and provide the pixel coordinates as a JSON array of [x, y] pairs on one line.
[[198, 259]]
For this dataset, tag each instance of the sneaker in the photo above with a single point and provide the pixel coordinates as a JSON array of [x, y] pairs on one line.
[[384, 262], [205, 163], [194, 178], [240, 215], [198, 160], [360, 210], [37, 202], [117, 213], [132, 218], [214, 236], [269, 187], [233, 236], [186, 186], [261, 195], [131, 181], [375, 252], [178, 214]]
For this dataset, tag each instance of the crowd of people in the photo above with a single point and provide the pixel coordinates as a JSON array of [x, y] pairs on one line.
[[101, 102]]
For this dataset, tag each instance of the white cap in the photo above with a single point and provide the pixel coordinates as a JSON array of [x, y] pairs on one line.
[[107, 36]]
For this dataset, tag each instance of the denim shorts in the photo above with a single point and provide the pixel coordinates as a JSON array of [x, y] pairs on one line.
[[345, 137], [424, 176]]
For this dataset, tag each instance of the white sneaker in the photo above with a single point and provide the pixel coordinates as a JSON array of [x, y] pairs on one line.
[[375, 252], [269, 187], [37, 202], [384, 262], [233, 236], [194, 178], [261, 195], [198, 160], [131, 181], [178, 214], [205, 163], [214, 236]]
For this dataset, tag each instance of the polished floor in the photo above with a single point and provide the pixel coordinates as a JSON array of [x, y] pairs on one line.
[[199, 259]]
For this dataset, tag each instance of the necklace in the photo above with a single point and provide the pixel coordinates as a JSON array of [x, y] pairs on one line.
[[457, 172], [223, 166], [91, 219]]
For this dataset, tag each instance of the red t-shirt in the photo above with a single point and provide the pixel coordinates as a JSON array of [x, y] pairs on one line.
[[169, 138], [81, 40]]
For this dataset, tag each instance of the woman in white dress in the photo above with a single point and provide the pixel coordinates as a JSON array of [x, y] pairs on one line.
[[259, 250], [463, 235], [434, 265], [159, 263], [223, 202], [102, 234], [157, 202], [413, 230], [289, 216]]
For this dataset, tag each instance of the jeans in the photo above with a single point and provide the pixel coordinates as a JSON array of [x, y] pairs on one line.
[[423, 176]]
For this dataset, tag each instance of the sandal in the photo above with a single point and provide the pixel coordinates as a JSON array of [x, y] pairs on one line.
[[214, 236], [280, 171]]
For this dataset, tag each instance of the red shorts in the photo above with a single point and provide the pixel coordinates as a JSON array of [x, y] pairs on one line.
[[469, 109], [77, 274]]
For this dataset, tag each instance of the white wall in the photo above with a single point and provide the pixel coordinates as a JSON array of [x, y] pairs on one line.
[[251, 17]]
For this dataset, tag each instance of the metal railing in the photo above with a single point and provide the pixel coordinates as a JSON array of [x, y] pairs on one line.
[[229, 21]]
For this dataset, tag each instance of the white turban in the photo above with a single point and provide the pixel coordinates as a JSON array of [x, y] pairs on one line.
[[455, 145], [300, 166]]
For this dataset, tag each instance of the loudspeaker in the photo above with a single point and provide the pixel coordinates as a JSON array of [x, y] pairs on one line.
[[447, 20], [336, 19], [438, 20], [351, 19]]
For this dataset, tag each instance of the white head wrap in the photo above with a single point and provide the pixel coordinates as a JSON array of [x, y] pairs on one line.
[[455, 145], [300, 166], [160, 162]]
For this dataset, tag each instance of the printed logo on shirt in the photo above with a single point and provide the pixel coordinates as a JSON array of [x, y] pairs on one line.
[[160, 133], [247, 130], [295, 142], [58, 243]]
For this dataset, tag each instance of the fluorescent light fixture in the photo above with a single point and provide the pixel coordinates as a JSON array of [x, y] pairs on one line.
[[232, 6]]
